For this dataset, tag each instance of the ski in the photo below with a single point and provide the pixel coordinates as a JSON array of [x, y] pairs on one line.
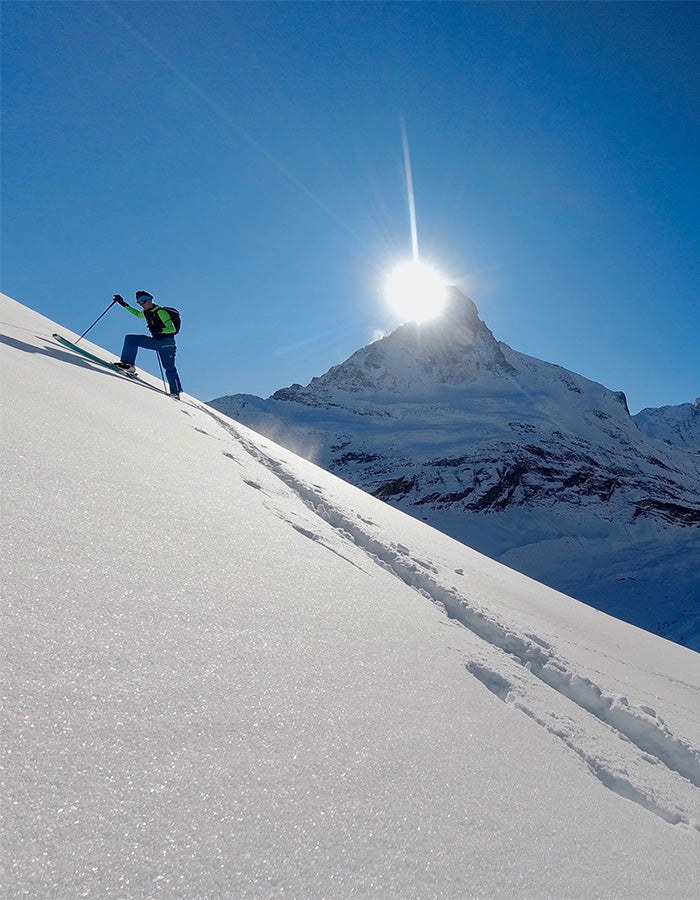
[[108, 365], [92, 356]]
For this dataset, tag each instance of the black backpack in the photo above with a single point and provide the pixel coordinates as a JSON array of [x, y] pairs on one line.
[[174, 317]]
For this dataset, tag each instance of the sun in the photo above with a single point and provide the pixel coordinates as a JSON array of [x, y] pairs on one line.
[[416, 291]]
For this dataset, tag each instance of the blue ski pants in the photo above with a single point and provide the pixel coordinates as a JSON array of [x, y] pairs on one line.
[[164, 347]]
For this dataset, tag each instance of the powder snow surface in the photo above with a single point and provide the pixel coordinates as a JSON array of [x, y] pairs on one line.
[[227, 673]]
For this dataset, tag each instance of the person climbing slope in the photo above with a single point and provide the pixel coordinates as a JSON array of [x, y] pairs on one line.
[[163, 323]]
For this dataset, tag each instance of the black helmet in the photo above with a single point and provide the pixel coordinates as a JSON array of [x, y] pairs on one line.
[[143, 295]]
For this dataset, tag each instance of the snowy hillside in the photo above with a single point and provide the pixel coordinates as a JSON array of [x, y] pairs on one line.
[[227, 673], [527, 462], [676, 425]]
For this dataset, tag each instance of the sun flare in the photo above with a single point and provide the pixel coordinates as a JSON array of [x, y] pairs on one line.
[[416, 291]]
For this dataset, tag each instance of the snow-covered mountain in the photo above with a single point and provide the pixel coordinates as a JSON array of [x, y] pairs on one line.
[[228, 673], [523, 460], [676, 425]]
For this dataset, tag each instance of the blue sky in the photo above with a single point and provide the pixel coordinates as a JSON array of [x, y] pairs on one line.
[[243, 162]]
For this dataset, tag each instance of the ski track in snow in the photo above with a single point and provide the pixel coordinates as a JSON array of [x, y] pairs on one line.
[[525, 672]]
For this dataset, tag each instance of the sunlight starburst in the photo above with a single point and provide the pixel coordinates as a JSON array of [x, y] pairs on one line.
[[416, 291]]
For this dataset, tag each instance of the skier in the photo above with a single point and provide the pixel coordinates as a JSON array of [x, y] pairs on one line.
[[163, 329]]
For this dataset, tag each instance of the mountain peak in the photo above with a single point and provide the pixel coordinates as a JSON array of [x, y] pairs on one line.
[[675, 425], [455, 348], [458, 325]]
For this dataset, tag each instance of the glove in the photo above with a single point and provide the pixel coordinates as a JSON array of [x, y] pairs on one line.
[[119, 299]]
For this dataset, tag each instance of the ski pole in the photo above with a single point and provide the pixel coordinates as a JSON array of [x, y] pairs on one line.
[[96, 321], [162, 374]]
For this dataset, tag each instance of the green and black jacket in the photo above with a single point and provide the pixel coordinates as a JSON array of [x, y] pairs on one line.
[[158, 320]]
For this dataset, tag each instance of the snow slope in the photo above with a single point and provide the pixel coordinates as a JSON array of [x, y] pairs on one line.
[[676, 425], [531, 464], [227, 673]]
